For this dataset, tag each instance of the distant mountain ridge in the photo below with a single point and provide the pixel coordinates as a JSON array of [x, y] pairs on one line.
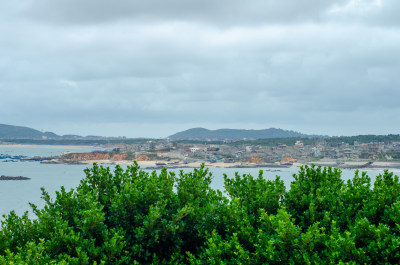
[[236, 134], [22, 132]]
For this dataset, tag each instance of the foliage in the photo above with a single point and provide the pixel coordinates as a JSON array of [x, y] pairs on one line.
[[395, 154], [234, 134], [135, 217]]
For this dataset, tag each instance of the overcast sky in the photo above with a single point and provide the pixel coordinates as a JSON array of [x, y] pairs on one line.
[[152, 68]]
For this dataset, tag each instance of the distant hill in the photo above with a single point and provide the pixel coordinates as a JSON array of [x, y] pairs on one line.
[[15, 132], [235, 134], [12, 132]]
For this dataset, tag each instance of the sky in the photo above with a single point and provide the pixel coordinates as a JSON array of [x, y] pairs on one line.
[[152, 68]]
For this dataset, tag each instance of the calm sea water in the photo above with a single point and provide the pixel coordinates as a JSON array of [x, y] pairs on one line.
[[15, 195]]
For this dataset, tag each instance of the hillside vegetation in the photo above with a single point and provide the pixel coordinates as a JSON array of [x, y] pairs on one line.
[[135, 217], [10, 131], [234, 134], [310, 141]]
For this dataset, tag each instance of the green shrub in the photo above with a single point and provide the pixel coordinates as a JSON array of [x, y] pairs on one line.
[[135, 217]]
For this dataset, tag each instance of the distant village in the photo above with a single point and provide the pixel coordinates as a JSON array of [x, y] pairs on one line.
[[280, 153], [233, 153], [269, 146]]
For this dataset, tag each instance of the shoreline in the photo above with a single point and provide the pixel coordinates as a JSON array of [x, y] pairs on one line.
[[176, 164], [158, 164], [44, 145], [146, 164]]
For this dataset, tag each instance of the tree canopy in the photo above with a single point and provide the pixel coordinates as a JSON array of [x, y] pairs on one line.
[[135, 217]]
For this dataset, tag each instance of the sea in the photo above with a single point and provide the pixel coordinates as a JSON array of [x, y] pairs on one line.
[[16, 195]]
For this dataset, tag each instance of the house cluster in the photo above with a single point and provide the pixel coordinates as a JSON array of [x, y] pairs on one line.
[[370, 151], [229, 152]]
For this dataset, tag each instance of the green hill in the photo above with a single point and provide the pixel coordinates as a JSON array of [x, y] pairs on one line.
[[235, 134], [15, 132]]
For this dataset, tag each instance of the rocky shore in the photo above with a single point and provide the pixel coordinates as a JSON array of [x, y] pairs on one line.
[[13, 178], [362, 165]]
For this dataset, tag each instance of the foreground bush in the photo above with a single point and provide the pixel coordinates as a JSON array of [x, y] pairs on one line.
[[135, 217]]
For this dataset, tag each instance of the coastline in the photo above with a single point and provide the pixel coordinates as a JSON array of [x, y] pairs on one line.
[[147, 164], [173, 164], [44, 145], [361, 165]]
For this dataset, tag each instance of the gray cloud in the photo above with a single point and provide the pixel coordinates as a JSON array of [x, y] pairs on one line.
[[223, 12], [152, 68], [370, 12]]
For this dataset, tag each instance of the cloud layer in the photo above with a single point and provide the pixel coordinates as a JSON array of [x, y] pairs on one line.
[[151, 68]]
